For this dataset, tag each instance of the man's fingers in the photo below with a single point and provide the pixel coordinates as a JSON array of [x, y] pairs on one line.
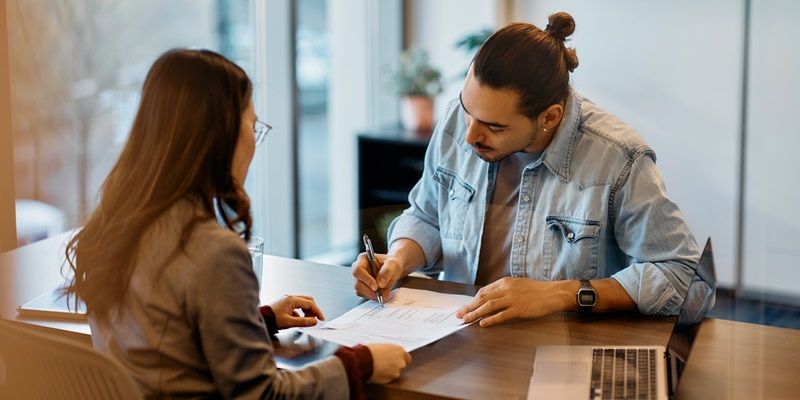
[[386, 293], [388, 274], [364, 291], [490, 291], [487, 308], [500, 317], [361, 274], [467, 308], [366, 284], [480, 299], [367, 293], [360, 260]]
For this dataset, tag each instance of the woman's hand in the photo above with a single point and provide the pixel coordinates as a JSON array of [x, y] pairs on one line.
[[388, 360], [286, 315]]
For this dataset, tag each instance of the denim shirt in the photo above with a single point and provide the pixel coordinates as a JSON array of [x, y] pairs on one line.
[[593, 206]]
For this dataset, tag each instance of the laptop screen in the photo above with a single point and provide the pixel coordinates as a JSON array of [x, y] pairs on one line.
[[695, 304]]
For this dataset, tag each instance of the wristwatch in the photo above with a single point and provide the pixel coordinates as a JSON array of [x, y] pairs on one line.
[[587, 296]]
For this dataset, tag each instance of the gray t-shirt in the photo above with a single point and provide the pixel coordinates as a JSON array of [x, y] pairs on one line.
[[500, 213]]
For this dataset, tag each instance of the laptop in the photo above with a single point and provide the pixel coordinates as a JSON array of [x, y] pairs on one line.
[[625, 372], [52, 305]]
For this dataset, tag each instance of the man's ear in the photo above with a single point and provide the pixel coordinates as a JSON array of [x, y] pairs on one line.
[[551, 117]]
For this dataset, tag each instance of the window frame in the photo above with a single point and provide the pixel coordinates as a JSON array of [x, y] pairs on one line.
[[271, 188], [8, 222]]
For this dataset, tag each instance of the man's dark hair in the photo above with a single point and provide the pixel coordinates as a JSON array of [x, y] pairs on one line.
[[532, 62]]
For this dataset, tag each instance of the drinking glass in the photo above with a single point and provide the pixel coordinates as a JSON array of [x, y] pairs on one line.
[[256, 248]]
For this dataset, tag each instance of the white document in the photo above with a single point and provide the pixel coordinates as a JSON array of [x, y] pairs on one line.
[[412, 318]]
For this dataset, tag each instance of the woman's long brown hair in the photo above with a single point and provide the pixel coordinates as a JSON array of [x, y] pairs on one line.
[[181, 145]]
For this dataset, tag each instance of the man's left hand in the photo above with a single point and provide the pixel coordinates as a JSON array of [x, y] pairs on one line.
[[512, 298]]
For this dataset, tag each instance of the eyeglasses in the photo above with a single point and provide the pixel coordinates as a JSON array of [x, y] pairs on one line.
[[260, 130]]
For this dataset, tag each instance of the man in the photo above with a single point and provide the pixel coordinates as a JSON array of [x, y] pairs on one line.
[[532, 190]]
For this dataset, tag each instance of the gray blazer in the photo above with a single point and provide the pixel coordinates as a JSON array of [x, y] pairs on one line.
[[190, 327]]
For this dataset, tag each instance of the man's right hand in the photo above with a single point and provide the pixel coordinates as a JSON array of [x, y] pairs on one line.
[[390, 271]]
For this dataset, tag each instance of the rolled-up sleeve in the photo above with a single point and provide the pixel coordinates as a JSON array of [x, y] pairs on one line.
[[650, 228]]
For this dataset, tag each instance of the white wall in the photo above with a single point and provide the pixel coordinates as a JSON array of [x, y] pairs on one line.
[[673, 71], [437, 25], [772, 185]]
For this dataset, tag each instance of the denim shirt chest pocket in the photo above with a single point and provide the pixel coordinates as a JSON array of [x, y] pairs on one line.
[[570, 248], [454, 198]]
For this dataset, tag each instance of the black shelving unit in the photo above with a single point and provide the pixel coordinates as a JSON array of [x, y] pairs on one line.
[[390, 162]]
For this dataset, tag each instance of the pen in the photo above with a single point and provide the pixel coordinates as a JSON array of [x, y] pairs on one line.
[[373, 268]]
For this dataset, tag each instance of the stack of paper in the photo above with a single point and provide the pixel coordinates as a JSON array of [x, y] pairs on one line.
[[412, 318]]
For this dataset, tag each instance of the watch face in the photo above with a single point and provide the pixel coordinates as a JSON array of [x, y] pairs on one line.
[[586, 297]]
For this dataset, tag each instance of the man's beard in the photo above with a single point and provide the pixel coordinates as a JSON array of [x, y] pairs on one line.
[[492, 159], [501, 157]]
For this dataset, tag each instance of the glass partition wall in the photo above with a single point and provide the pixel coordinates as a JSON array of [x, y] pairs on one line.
[[76, 70]]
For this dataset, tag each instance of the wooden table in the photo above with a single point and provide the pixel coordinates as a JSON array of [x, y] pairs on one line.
[[729, 360]]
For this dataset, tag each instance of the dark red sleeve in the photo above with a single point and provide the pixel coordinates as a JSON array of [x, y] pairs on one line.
[[358, 364], [269, 319]]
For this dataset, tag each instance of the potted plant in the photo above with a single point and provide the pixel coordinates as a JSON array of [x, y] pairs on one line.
[[417, 82], [471, 42]]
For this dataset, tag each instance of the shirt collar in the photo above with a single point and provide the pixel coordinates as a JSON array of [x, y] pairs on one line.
[[558, 154]]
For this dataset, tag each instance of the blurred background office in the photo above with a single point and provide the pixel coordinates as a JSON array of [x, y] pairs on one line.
[[711, 85]]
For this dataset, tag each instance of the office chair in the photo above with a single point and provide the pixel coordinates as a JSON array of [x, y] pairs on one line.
[[36, 365]]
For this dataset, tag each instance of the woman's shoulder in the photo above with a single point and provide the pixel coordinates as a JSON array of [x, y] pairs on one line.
[[210, 241], [197, 237]]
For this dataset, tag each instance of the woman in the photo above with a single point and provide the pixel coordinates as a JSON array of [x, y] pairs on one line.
[[170, 292]]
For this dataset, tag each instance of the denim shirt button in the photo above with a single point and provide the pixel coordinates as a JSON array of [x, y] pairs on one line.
[[570, 236], [452, 193], [520, 239], [526, 198]]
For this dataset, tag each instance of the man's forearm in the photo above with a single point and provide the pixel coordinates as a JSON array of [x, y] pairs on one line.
[[409, 253]]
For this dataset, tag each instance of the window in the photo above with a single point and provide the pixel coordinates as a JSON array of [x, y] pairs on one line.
[[77, 68], [76, 72], [312, 53], [342, 58]]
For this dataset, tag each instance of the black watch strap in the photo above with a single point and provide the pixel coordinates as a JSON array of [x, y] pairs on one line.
[[586, 296]]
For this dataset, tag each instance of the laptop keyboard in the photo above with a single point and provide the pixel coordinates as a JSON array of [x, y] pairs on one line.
[[623, 374]]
